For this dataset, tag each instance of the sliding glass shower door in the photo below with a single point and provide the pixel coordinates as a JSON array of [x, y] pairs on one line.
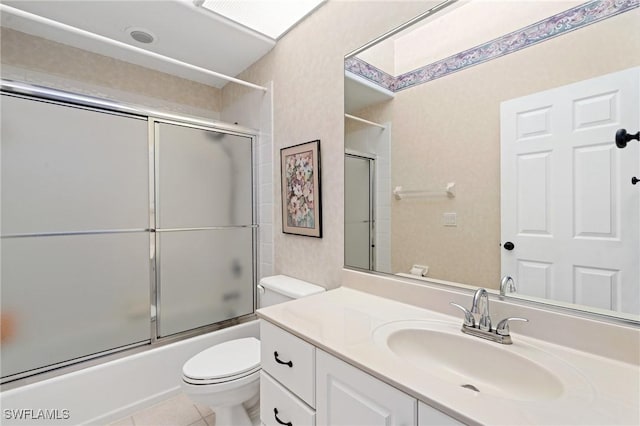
[[117, 230], [75, 241], [204, 231]]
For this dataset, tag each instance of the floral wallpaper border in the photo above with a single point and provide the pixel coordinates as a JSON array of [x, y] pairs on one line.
[[561, 23], [369, 72]]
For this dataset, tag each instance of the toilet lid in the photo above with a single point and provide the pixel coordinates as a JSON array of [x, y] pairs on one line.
[[225, 360]]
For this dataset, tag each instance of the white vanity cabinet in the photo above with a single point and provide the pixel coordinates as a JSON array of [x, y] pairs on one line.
[[304, 386], [429, 416], [347, 396], [287, 380]]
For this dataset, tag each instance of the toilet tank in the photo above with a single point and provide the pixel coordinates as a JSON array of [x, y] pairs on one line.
[[281, 288]]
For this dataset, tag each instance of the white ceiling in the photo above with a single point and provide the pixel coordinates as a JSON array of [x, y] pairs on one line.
[[470, 22], [183, 31], [272, 18]]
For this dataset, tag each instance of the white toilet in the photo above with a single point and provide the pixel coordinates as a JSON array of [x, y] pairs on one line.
[[228, 374]]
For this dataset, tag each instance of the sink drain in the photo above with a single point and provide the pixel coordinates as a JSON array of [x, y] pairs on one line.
[[473, 388]]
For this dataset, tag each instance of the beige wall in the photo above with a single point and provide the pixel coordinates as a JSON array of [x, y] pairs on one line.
[[36, 60], [449, 130], [307, 69]]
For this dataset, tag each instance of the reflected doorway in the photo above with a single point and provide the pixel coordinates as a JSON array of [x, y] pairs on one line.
[[359, 226]]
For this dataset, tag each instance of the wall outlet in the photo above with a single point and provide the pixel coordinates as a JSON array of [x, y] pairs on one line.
[[449, 219]]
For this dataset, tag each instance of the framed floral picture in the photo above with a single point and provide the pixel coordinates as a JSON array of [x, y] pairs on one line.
[[300, 180]]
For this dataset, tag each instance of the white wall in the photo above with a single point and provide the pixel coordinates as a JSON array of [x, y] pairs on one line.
[[254, 109]]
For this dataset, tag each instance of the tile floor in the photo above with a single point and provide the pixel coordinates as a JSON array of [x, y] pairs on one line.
[[179, 410], [176, 411]]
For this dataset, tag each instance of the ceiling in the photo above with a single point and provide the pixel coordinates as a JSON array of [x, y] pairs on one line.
[[182, 31], [470, 22]]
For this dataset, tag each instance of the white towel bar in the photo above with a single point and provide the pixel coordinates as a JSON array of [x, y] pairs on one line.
[[449, 192]]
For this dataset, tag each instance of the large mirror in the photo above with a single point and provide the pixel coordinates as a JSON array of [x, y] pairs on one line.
[[480, 142]]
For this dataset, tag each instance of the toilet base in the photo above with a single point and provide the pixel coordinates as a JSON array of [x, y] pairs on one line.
[[226, 399], [233, 415]]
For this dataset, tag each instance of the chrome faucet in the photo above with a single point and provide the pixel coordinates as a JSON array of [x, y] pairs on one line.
[[480, 309], [477, 321], [507, 283]]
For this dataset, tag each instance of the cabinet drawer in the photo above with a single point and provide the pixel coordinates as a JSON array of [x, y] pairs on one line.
[[290, 409], [289, 360]]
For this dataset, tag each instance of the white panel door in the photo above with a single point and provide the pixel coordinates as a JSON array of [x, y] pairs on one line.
[[567, 202], [346, 396]]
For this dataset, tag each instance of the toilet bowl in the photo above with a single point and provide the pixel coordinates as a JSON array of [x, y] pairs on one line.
[[226, 375], [223, 377]]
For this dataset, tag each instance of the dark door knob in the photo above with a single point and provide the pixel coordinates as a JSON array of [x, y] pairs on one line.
[[508, 245], [634, 180], [622, 137]]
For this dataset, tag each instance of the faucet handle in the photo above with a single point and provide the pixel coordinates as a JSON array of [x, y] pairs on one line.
[[469, 320], [503, 326], [485, 321]]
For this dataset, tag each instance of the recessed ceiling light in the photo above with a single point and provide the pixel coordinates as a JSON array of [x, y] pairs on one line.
[[272, 18], [141, 35]]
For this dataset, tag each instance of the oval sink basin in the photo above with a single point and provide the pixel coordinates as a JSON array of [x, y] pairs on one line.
[[439, 348]]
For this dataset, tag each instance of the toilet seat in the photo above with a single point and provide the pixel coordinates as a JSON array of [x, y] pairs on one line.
[[224, 362]]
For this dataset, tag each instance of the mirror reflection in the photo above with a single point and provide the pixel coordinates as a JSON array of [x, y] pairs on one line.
[[480, 143]]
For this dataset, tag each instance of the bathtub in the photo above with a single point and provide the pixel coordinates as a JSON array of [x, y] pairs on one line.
[[103, 393]]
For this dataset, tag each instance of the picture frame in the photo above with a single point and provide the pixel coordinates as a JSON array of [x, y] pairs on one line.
[[301, 192]]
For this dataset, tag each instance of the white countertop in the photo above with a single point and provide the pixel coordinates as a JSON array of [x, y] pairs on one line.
[[598, 390]]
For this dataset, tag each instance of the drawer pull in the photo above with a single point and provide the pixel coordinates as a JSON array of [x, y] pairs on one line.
[[279, 361], [275, 413]]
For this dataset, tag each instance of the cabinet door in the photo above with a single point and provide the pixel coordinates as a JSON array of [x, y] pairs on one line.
[[429, 416], [348, 396]]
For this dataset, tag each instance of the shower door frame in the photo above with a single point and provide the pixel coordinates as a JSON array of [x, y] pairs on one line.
[[371, 159], [153, 117], [155, 230]]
